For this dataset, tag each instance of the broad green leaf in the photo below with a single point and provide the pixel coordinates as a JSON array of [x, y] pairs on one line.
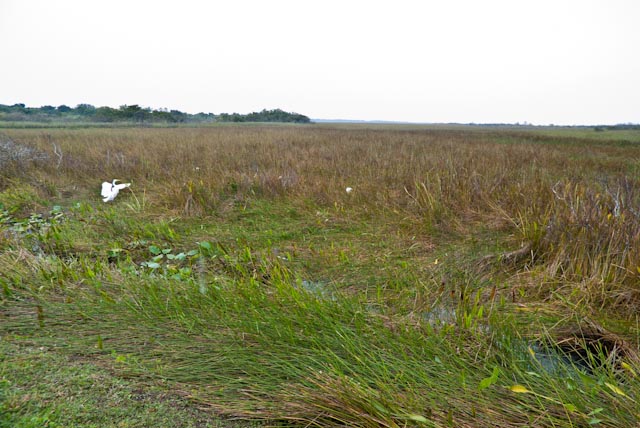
[[570, 407], [205, 245], [487, 382]]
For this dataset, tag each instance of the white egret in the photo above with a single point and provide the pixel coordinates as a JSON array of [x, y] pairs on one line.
[[110, 190], [349, 189]]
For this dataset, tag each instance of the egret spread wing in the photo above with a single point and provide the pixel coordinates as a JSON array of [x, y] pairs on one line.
[[106, 189], [110, 190], [122, 186]]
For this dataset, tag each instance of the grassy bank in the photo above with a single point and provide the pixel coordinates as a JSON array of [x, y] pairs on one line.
[[470, 279]]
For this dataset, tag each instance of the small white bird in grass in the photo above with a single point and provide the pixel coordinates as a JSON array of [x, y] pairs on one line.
[[110, 190], [349, 189]]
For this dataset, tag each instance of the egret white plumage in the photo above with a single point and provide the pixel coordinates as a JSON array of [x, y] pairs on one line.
[[110, 190], [349, 189]]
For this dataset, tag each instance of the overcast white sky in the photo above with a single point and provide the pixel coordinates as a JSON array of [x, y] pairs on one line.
[[543, 61]]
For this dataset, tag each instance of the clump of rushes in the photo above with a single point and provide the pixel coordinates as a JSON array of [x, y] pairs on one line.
[[588, 235]]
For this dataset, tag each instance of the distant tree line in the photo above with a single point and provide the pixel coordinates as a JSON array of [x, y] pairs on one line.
[[135, 114], [619, 127], [276, 115], [88, 113]]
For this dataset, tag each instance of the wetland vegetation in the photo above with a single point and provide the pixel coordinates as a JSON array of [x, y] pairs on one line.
[[473, 277]]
